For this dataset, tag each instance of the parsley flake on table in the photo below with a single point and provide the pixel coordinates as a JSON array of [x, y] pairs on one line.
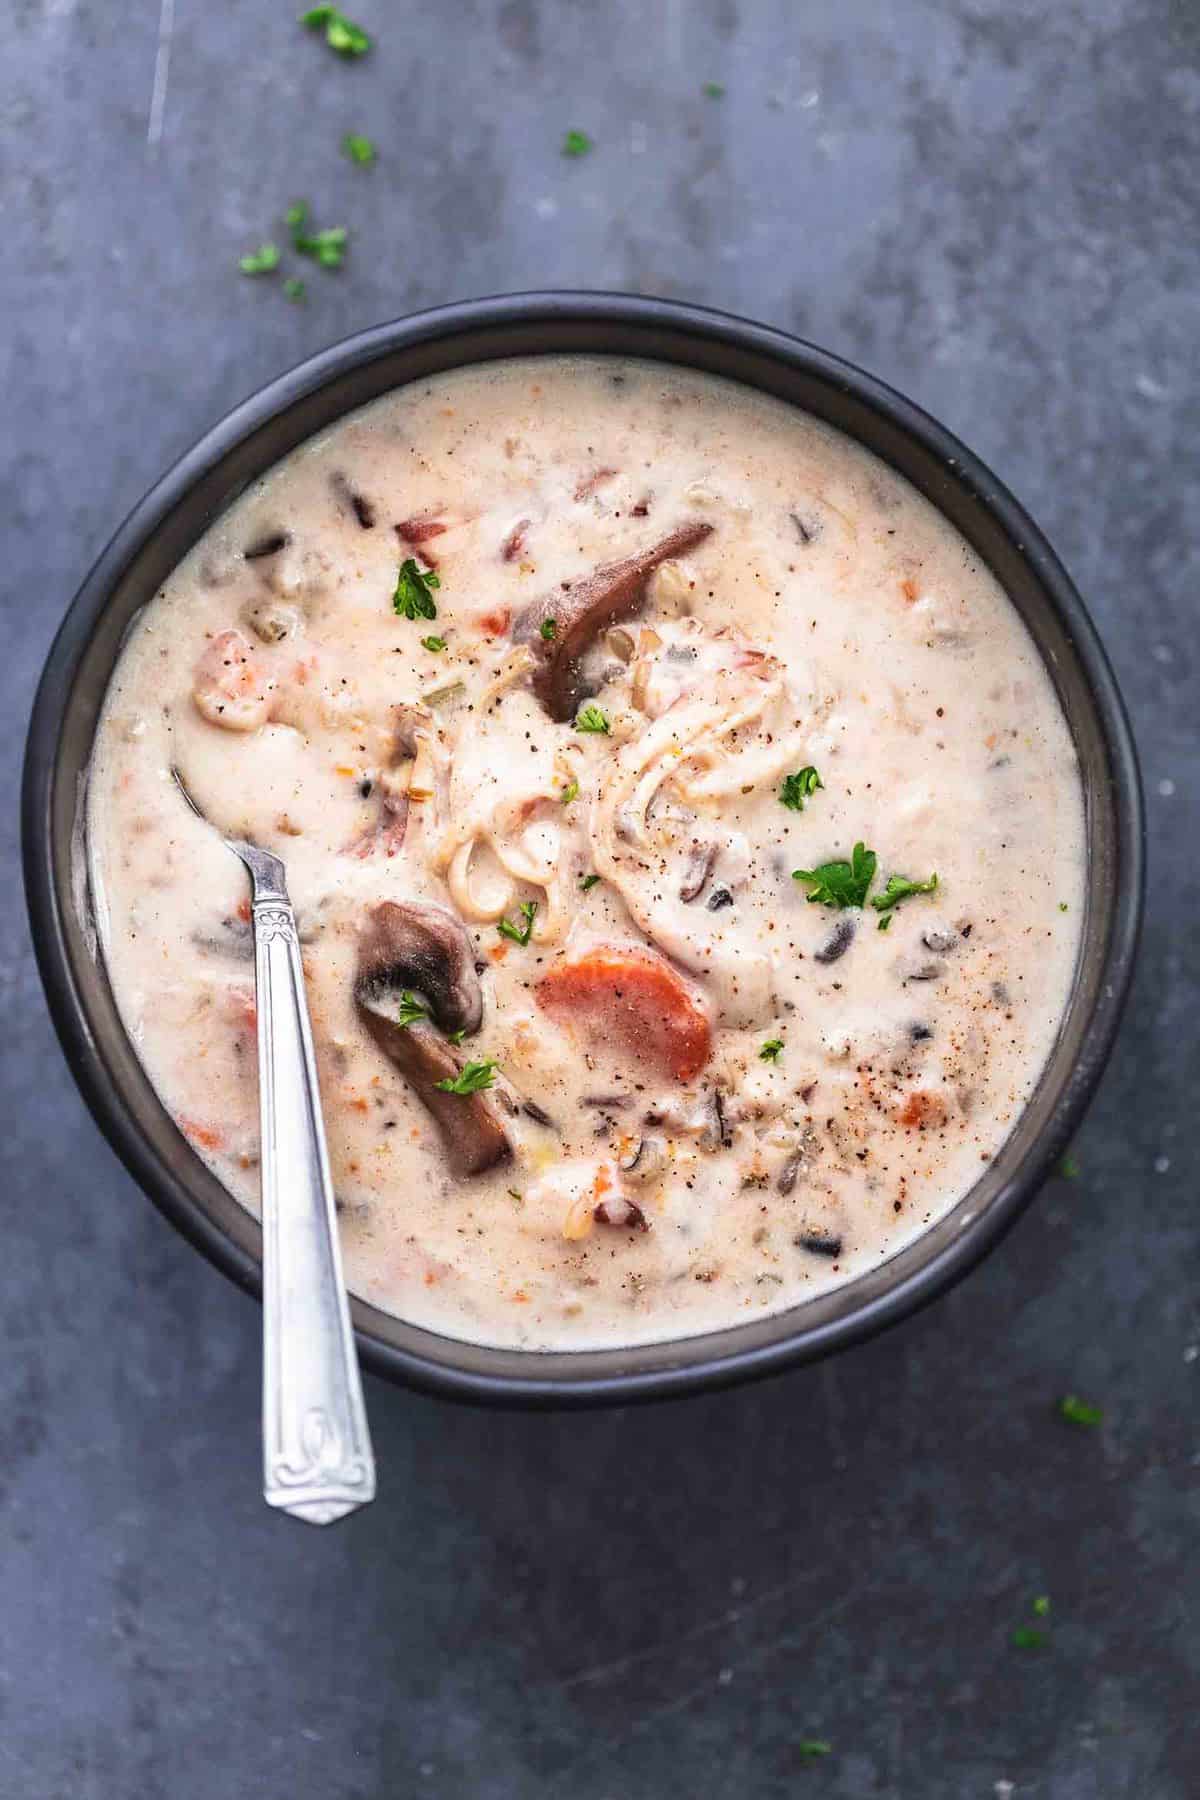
[[433, 643], [576, 143], [799, 787], [898, 888], [549, 630], [1032, 1637], [294, 290], [840, 883], [809, 1748], [1079, 1412], [410, 1009], [713, 90], [473, 1078], [341, 33], [772, 1050], [590, 718], [326, 247], [570, 792], [1068, 1168], [358, 148], [413, 598], [519, 934], [260, 261]]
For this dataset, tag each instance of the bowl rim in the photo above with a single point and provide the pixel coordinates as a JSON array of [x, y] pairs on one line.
[[68, 1011]]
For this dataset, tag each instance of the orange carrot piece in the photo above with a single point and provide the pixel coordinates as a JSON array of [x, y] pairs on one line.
[[633, 995], [496, 622], [207, 1136], [923, 1109]]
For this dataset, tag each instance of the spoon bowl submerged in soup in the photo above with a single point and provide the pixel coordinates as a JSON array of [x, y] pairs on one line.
[[686, 841]]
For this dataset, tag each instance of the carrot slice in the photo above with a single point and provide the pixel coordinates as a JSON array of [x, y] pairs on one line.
[[636, 997], [207, 1136]]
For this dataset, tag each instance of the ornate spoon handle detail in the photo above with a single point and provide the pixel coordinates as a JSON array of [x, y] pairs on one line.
[[317, 1459]]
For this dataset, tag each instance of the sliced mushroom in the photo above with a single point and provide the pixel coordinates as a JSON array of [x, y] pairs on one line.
[[700, 864], [922, 968], [716, 1133], [819, 1242], [348, 497], [621, 1211], [270, 544], [539, 1115], [585, 608], [425, 950], [838, 941], [788, 1175], [645, 1159], [940, 936]]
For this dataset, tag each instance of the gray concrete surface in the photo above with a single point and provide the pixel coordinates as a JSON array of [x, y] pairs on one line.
[[993, 204]]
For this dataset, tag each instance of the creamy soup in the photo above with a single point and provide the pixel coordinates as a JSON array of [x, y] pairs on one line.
[[685, 839]]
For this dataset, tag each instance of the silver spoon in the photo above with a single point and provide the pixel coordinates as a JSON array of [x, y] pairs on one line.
[[317, 1458]]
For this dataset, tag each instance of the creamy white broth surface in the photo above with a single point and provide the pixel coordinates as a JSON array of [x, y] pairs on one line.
[[704, 1095]]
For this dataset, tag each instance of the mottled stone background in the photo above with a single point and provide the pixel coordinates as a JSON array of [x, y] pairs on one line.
[[991, 203]]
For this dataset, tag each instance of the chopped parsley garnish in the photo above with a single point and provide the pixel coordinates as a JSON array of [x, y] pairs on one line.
[[1028, 1637], [772, 1050], [325, 247], [1041, 1605], [413, 598], [840, 883], [809, 1748], [898, 889], [294, 289], [570, 792], [800, 787], [516, 1196], [410, 1009], [1063, 907], [590, 718], [456, 1037], [519, 934], [549, 630], [260, 261], [1079, 1412], [433, 643], [473, 1078], [1068, 1168], [358, 148], [576, 143], [588, 881], [341, 33], [885, 921], [713, 90]]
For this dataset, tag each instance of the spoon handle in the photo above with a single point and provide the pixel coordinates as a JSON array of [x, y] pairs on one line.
[[317, 1459]]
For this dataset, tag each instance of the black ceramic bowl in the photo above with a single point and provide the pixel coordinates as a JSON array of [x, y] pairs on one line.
[[309, 399]]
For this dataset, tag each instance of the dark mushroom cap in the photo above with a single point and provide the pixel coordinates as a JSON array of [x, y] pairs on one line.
[[585, 608], [425, 949]]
